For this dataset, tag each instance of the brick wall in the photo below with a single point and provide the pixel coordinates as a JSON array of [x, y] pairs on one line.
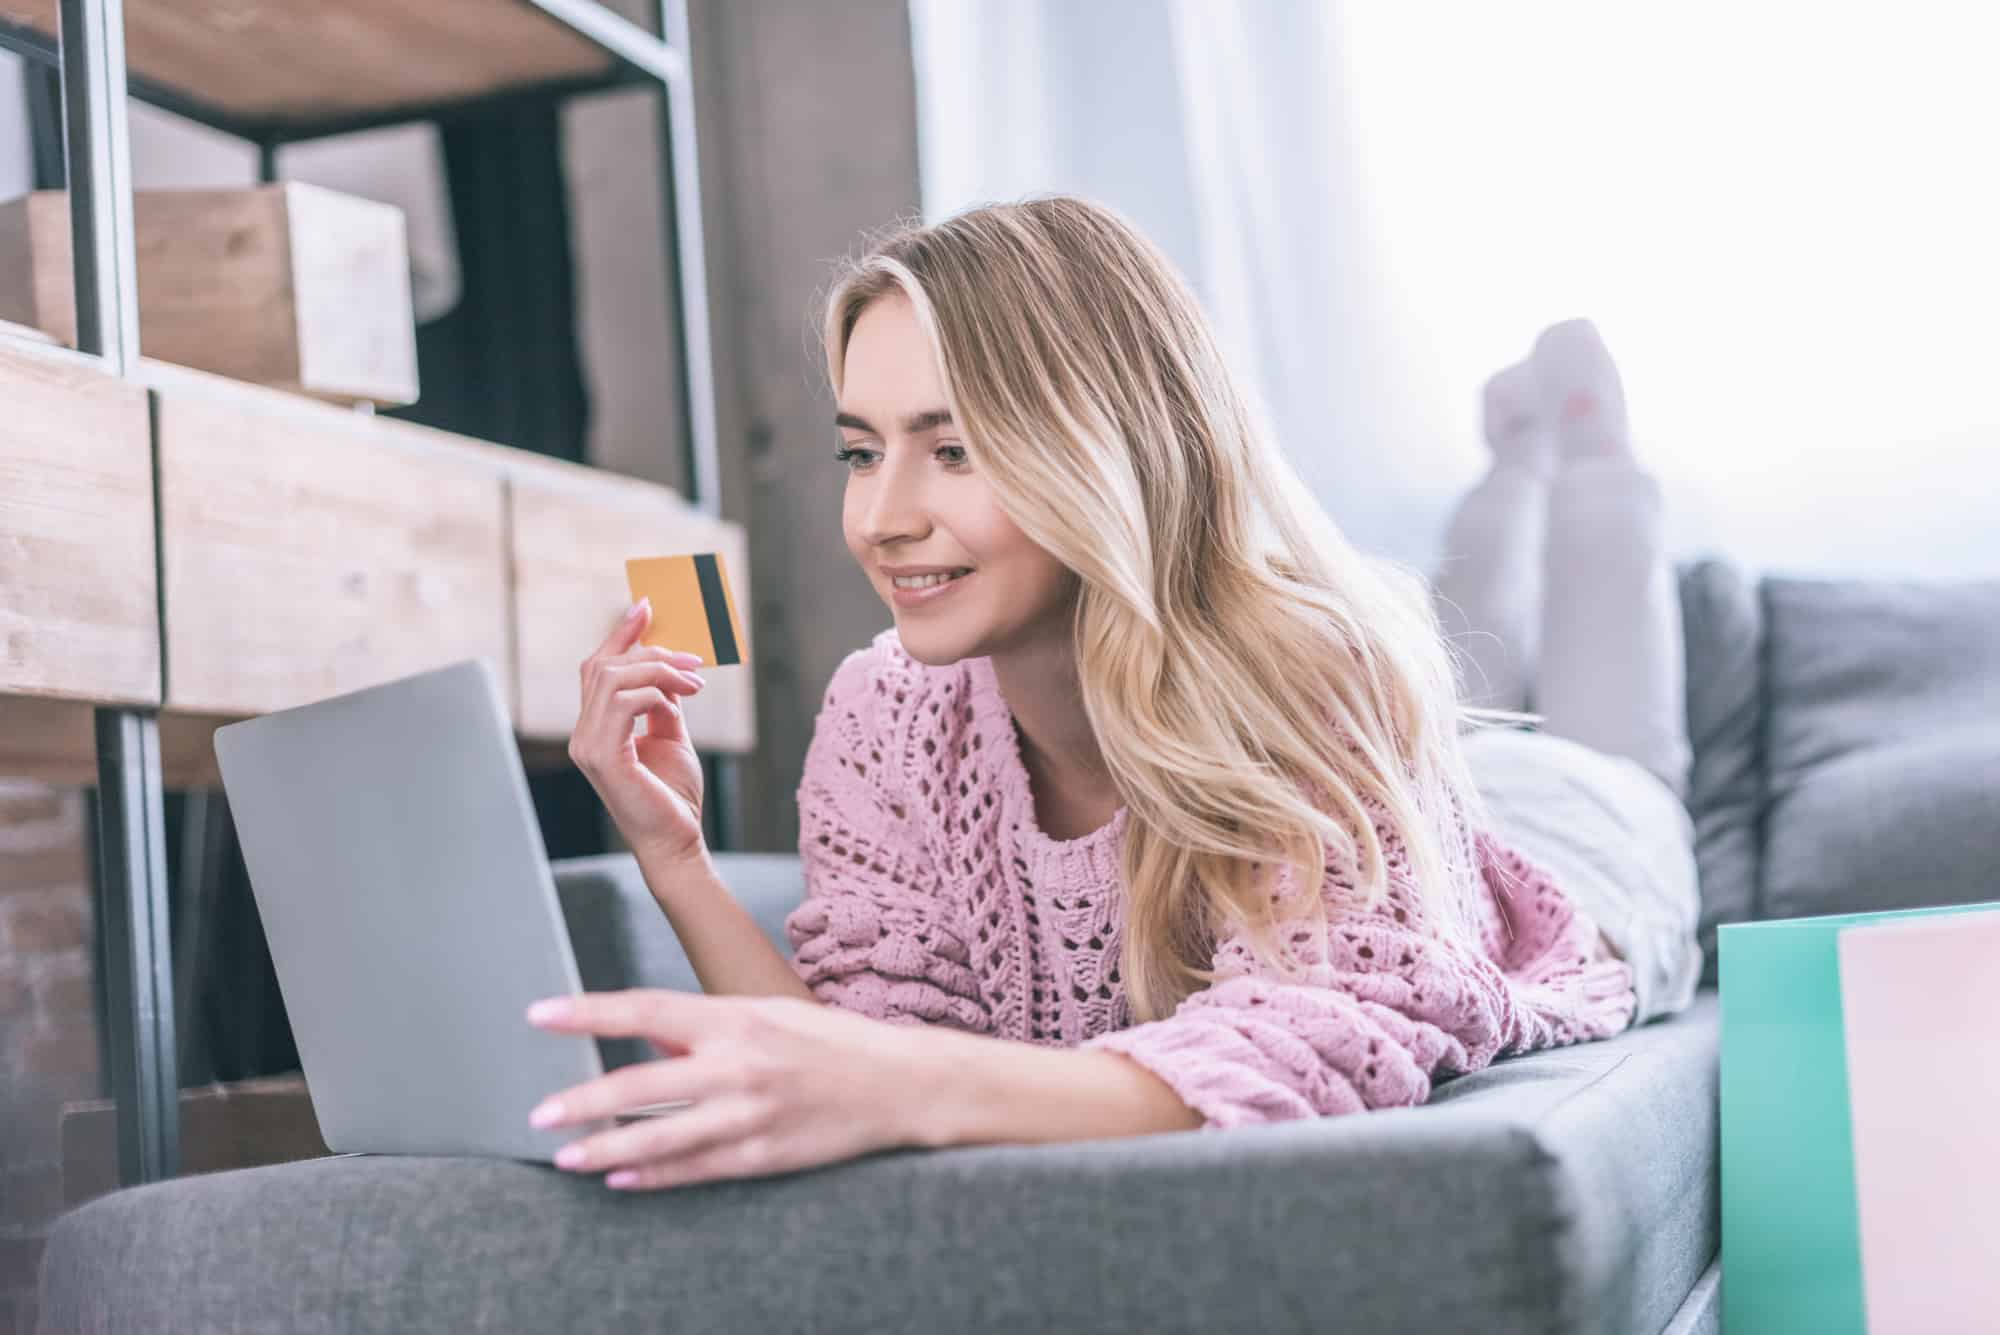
[[48, 1034]]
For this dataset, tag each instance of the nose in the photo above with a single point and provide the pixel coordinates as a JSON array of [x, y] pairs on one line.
[[895, 508]]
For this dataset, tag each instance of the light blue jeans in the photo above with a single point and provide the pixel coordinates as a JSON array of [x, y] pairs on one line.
[[1560, 592]]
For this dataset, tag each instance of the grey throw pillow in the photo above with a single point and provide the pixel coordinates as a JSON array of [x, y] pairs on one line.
[[1724, 626], [1882, 748]]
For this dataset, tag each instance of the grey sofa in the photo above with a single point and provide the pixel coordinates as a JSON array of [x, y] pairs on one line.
[[1569, 1190]]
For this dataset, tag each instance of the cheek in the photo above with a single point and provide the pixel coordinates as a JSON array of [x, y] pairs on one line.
[[850, 526], [1032, 573], [988, 535], [1053, 582]]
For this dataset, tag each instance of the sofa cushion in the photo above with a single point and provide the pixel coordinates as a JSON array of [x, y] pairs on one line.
[[1568, 1190], [1724, 628], [1883, 744]]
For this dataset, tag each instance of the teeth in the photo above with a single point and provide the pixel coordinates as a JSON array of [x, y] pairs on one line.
[[925, 581]]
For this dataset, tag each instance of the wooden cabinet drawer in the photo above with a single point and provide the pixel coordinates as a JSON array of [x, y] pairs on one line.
[[79, 615], [573, 529], [309, 550]]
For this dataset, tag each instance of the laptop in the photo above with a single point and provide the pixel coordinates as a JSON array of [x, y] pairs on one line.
[[1919, 997], [400, 873]]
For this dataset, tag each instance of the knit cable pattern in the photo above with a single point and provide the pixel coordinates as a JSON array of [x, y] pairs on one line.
[[933, 897]]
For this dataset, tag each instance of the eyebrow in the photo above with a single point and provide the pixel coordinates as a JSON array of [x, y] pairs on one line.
[[914, 424]]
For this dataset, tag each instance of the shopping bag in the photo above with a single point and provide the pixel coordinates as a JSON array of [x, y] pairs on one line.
[[1918, 1002], [1791, 1248]]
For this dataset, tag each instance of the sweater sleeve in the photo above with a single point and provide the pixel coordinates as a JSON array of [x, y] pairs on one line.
[[875, 933], [1389, 1007]]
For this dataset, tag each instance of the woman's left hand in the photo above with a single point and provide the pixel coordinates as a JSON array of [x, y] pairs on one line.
[[778, 1084]]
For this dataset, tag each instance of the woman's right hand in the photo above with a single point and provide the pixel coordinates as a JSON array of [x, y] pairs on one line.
[[652, 784]]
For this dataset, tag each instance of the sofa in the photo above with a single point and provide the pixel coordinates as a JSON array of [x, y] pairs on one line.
[[1845, 752]]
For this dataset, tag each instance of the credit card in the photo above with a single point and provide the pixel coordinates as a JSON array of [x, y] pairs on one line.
[[693, 609]]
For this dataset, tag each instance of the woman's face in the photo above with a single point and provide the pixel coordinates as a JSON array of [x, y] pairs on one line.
[[913, 499]]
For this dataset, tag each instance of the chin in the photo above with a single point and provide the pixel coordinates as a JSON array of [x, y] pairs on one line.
[[933, 648]]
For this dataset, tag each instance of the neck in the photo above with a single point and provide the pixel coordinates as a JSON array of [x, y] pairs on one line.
[[1057, 743]]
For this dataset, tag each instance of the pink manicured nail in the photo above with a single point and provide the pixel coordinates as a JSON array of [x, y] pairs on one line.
[[546, 1113], [570, 1156], [624, 1177], [547, 1009]]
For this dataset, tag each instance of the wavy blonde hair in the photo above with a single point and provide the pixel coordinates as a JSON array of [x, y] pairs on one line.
[[1227, 678]]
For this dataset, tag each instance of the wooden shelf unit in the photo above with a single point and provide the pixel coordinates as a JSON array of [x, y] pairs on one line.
[[281, 63], [177, 549]]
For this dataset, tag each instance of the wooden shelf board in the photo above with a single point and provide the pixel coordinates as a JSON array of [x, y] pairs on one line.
[[277, 62], [310, 551], [78, 606]]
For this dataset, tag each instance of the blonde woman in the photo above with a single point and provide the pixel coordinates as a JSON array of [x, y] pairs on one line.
[[1150, 813]]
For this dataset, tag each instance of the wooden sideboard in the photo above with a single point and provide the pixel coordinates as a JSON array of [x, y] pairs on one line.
[[304, 550]]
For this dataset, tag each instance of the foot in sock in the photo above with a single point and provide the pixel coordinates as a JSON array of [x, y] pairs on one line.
[[1516, 429], [1582, 398]]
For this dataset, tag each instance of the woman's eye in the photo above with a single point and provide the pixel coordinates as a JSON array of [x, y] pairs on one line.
[[857, 459]]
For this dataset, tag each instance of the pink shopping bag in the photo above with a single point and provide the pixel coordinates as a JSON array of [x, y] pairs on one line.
[[1920, 1000]]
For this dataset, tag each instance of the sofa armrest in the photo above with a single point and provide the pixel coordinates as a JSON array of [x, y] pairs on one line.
[[622, 938]]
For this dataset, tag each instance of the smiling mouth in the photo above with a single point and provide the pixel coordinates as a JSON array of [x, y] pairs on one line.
[[929, 581]]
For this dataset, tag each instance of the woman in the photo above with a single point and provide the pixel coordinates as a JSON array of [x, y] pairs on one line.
[[1150, 813]]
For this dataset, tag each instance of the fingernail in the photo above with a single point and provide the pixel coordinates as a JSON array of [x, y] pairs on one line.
[[624, 1177], [570, 1156], [551, 1008], [547, 1113]]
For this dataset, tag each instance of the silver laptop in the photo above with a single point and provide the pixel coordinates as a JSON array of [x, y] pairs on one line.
[[406, 894]]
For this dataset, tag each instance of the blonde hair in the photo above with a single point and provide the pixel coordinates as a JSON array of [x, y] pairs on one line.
[[1227, 681]]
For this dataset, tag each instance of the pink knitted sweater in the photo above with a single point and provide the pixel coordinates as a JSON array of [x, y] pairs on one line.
[[932, 897]]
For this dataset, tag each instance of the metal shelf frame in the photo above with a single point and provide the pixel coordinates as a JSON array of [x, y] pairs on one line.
[[134, 952]]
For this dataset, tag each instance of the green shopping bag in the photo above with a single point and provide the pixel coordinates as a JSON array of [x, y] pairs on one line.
[[1791, 1233]]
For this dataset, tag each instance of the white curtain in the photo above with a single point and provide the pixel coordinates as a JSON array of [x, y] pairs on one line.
[[1781, 218]]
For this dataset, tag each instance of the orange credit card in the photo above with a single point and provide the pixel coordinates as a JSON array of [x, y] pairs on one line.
[[692, 606]]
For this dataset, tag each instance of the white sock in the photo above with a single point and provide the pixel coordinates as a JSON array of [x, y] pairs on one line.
[[1582, 398], [1516, 428]]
